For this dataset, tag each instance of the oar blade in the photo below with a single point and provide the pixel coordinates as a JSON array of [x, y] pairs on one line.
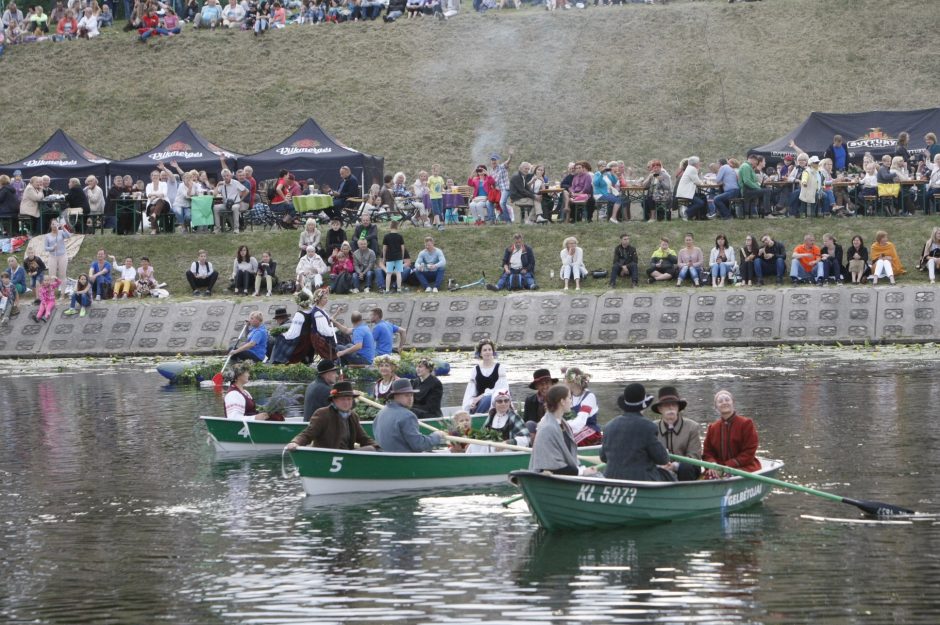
[[878, 508], [217, 379]]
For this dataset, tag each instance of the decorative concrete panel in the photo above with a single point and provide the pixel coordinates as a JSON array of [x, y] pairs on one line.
[[108, 328], [184, 328], [908, 313], [825, 314], [438, 323], [733, 316], [627, 318], [547, 320], [23, 337]]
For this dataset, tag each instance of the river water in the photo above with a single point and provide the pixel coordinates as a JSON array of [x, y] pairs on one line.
[[115, 510]]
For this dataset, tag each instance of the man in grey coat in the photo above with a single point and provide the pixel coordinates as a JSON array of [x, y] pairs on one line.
[[631, 448], [396, 427], [317, 393]]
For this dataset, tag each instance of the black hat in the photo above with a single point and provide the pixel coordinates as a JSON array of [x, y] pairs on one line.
[[343, 389], [539, 376], [668, 394], [280, 311], [634, 398], [401, 386], [325, 366]]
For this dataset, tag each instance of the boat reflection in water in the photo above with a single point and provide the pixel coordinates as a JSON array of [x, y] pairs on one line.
[[677, 571]]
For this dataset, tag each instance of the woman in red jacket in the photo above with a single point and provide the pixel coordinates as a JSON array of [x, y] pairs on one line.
[[731, 440], [481, 186]]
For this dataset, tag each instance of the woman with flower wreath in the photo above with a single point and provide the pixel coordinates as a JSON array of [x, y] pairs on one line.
[[584, 407], [387, 364]]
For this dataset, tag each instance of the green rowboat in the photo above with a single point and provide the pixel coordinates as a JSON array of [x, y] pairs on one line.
[[568, 502], [333, 471], [249, 436]]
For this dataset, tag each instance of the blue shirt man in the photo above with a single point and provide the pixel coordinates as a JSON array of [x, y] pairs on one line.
[[384, 333], [361, 349], [728, 178], [255, 348]]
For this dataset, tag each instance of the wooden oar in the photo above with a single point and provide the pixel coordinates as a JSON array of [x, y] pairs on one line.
[[217, 378], [874, 508]]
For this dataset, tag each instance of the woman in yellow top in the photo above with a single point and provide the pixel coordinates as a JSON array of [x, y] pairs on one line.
[[885, 261]]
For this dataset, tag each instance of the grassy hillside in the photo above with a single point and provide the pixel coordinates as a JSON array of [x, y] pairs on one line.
[[470, 249], [630, 82]]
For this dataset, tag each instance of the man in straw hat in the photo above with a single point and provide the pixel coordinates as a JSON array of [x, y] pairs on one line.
[[630, 448], [396, 426], [679, 435], [335, 426], [317, 393]]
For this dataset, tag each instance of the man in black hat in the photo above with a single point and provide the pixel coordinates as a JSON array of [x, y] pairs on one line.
[[281, 320], [679, 435], [335, 426], [317, 394], [396, 427], [631, 448], [534, 407]]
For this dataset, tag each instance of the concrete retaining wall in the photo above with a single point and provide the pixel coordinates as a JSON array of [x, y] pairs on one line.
[[630, 318]]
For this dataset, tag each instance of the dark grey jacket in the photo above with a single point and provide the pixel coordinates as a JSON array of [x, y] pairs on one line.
[[632, 450]]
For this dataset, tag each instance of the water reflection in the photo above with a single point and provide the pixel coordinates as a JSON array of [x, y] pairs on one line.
[[114, 510]]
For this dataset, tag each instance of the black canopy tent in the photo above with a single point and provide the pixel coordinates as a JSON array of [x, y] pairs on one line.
[[185, 146], [312, 153], [60, 158], [874, 131]]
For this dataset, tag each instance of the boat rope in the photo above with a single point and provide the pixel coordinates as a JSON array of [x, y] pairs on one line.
[[247, 431], [293, 473]]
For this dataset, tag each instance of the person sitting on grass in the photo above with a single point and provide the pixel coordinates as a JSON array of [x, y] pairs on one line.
[[255, 348], [310, 270], [625, 262], [805, 258], [721, 261], [691, 260], [335, 237], [201, 276], [361, 348], [35, 268], [17, 275], [127, 277], [81, 297], [662, 263], [429, 266], [572, 263], [885, 262], [363, 266], [518, 267], [341, 272], [210, 16], [146, 282], [8, 299], [99, 274], [771, 258]]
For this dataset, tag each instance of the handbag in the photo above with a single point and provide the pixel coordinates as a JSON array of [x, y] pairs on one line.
[[493, 195]]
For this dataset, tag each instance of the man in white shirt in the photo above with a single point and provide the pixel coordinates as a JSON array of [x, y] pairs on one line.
[[232, 193], [688, 190], [233, 15], [201, 275]]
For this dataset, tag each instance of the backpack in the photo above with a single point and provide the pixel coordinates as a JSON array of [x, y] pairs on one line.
[[272, 192]]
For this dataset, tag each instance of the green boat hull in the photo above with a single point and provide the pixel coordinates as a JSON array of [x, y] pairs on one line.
[[334, 471], [232, 435], [577, 503]]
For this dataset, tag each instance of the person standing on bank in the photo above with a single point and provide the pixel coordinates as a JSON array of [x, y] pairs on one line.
[[336, 425], [317, 393], [396, 426], [631, 448], [54, 244], [679, 435]]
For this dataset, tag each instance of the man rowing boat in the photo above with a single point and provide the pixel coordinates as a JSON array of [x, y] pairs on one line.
[[335, 426], [631, 448], [396, 427], [731, 440]]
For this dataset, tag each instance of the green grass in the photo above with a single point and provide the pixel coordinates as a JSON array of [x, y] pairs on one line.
[[631, 82], [470, 249]]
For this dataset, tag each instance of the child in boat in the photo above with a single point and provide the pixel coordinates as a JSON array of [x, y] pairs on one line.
[[46, 293], [462, 426]]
